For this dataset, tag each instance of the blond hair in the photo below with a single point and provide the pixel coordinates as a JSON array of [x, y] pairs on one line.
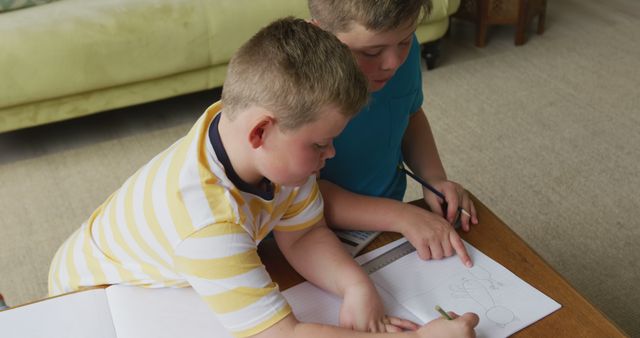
[[294, 69], [377, 15]]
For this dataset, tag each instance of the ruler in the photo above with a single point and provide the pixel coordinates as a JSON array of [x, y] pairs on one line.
[[388, 257]]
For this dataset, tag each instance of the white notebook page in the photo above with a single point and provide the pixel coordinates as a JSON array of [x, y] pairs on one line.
[[162, 313], [411, 288], [77, 315]]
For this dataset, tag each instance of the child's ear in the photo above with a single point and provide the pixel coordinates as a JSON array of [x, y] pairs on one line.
[[260, 130]]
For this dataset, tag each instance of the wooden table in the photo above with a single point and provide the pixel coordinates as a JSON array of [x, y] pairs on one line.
[[576, 318]]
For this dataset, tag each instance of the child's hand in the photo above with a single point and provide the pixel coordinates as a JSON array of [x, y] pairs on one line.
[[430, 234], [456, 197], [460, 327], [362, 310]]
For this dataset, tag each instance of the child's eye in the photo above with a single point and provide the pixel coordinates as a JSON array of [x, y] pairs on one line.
[[371, 54], [320, 146]]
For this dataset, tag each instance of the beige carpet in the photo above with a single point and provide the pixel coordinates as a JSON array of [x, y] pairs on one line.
[[547, 135]]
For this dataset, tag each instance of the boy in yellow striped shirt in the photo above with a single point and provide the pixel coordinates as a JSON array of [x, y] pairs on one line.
[[195, 214]]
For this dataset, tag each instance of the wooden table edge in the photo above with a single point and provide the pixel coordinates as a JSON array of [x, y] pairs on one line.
[[558, 275]]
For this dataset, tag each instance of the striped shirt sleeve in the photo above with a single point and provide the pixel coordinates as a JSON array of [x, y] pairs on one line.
[[221, 262], [306, 209]]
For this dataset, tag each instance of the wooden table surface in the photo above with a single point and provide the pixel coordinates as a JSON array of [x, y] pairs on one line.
[[576, 318]]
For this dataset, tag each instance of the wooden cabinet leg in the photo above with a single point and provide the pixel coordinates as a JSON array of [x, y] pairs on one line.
[[542, 17], [482, 22], [521, 25], [481, 34]]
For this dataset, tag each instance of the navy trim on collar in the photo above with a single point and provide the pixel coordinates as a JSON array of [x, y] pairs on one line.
[[221, 153]]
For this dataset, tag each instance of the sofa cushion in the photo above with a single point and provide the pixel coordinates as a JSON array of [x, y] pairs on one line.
[[442, 10], [230, 24], [74, 46], [89, 45], [9, 5]]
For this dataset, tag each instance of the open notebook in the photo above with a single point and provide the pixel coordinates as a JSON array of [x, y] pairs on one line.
[[409, 287], [117, 311]]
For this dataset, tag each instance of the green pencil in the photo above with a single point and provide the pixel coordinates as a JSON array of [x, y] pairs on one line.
[[443, 313]]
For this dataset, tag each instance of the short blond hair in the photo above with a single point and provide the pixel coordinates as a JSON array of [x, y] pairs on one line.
[[377, 15], [294, 69]]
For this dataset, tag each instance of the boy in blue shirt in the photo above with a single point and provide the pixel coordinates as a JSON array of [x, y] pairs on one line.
[[362, 185]]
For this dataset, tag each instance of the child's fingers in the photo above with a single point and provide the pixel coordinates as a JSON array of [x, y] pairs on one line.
[[378, 327], [392, 329], [452, 211], [461, 250], [436, 250], [401, 324], [474, 213], [447, 248], [468, 215], [452, 202], [471, 319], [424, 252], [465, 219], [434, 203]]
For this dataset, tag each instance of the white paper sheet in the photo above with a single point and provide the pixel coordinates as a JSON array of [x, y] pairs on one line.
[[162, 313], [504, 302], [78, 315], [313, 305]]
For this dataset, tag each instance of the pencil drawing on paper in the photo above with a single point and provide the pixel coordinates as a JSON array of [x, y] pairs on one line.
[[476, 286]]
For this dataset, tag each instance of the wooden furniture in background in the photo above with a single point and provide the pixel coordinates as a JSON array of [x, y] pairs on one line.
[[576, 318], [486, 13]]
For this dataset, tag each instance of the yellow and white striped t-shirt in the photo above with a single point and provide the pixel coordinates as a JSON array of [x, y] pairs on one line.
[[180, 221]]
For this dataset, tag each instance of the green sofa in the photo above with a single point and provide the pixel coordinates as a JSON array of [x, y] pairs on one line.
[[71, 58]]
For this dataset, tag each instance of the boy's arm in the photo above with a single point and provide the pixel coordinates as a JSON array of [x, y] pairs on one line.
[[319, 257], [289, 327], [431, 235], [346, 210], [421, 155], [419, 148]]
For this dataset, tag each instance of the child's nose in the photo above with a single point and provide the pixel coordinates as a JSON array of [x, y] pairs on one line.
[[330, 152], [392, 60]]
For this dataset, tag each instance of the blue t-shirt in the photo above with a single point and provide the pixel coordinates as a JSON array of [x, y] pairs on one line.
[[369, 149]]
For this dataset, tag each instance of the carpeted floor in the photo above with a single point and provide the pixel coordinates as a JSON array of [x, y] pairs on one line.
[[546, 134]]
